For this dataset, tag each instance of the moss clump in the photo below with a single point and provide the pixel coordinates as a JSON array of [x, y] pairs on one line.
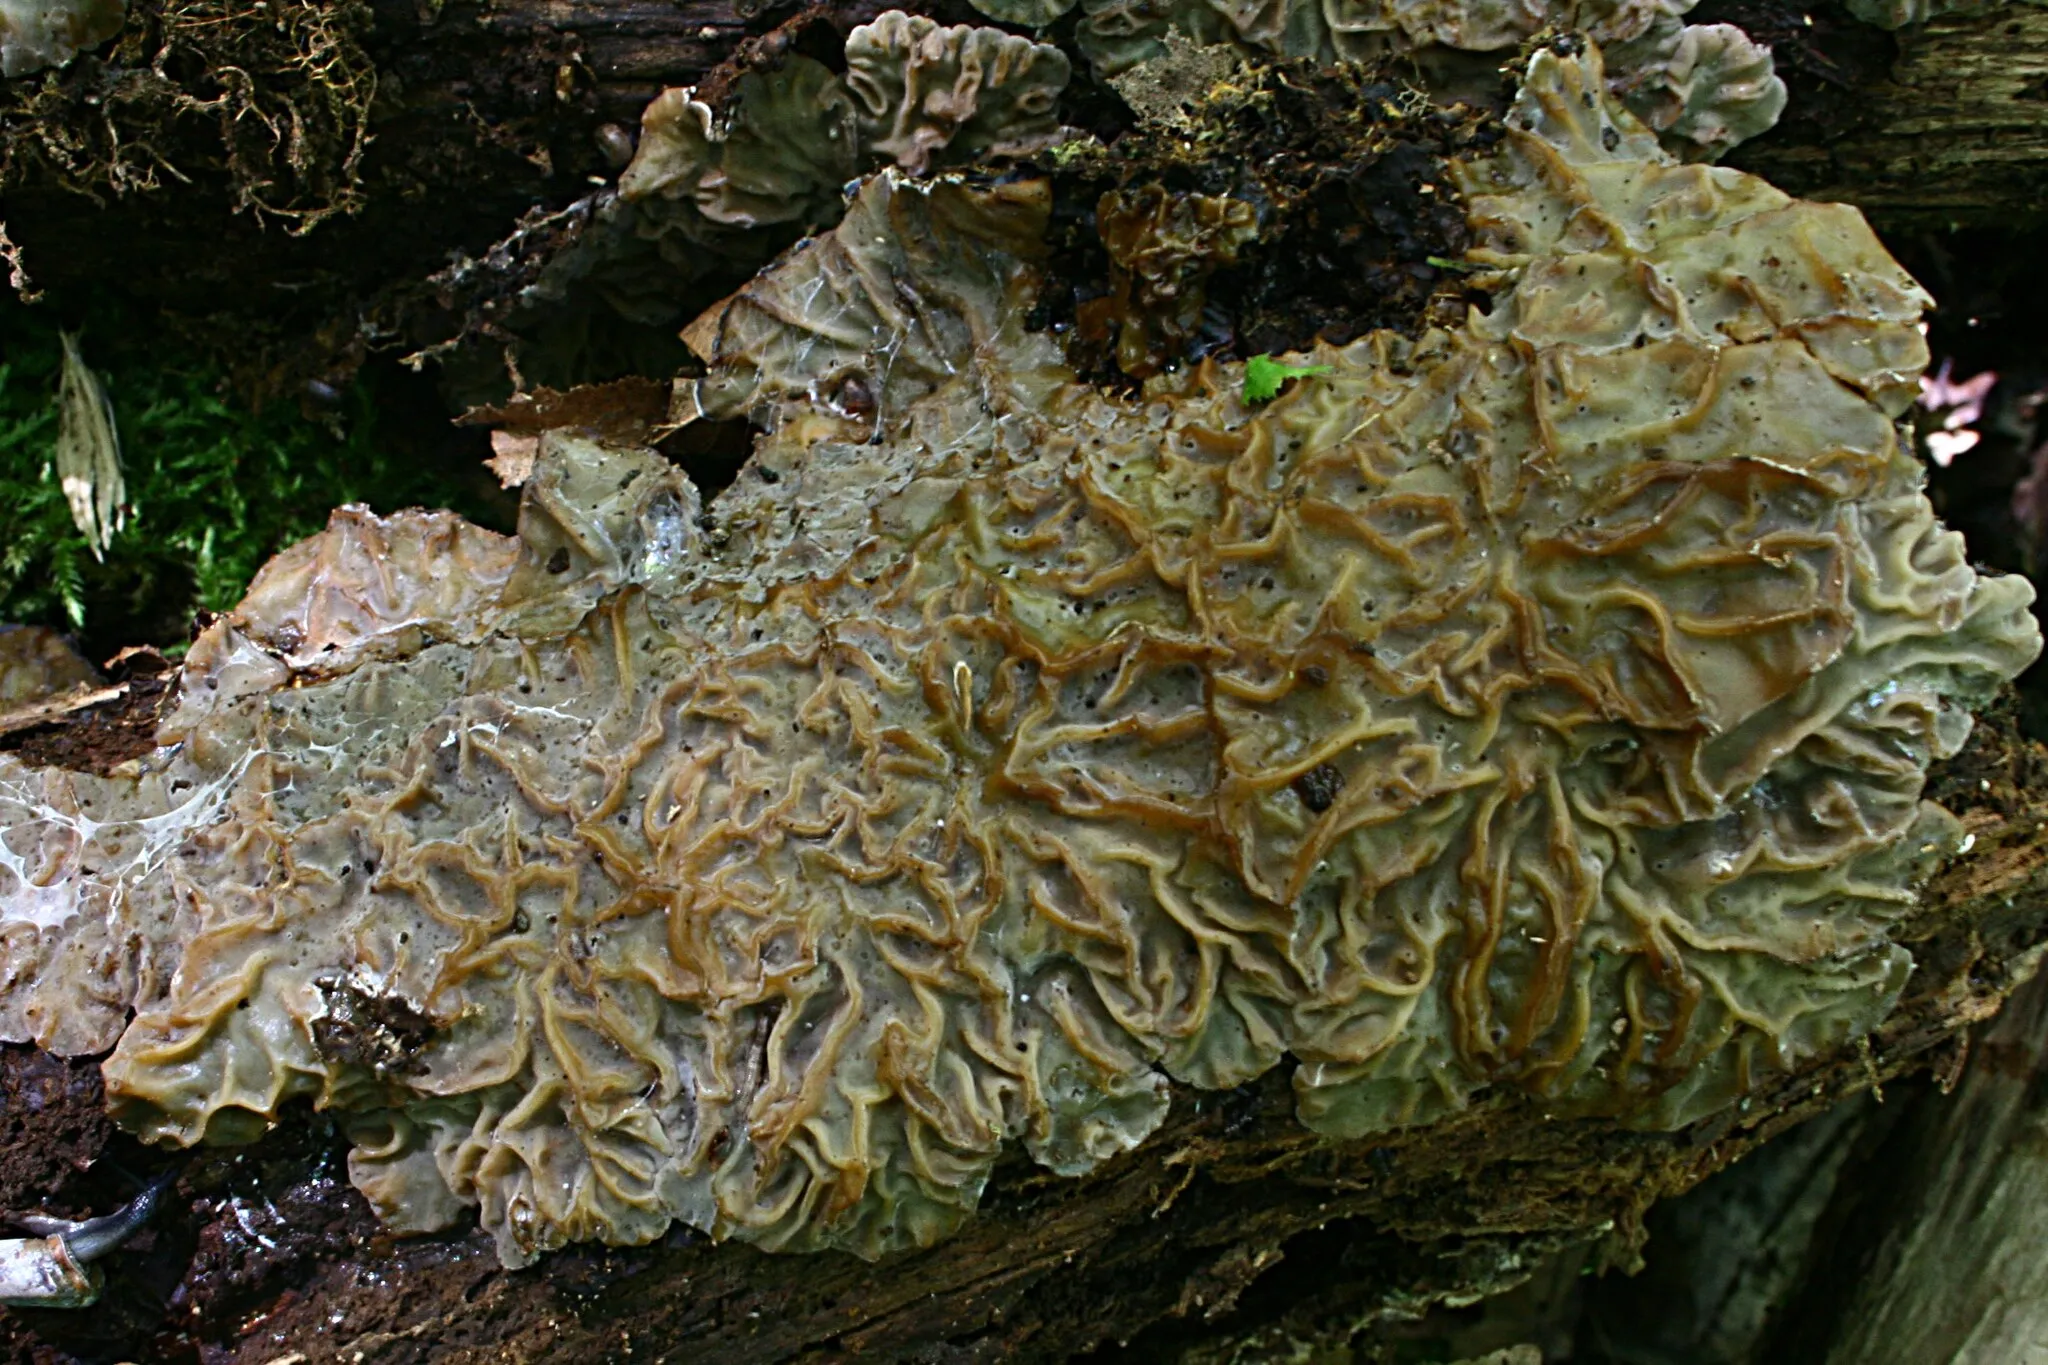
[[276, 98], [214, 489]]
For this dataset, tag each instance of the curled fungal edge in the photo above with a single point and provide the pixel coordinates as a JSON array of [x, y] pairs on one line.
[[1706, 87], [1541, 705], [915, 93], [35, 34], [1711, 85]]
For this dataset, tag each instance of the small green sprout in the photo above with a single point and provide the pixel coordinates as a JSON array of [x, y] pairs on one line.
[[1264, 375]]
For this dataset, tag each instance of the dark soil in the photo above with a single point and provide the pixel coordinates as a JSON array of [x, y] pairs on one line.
[[100, 737], [1355, 204]]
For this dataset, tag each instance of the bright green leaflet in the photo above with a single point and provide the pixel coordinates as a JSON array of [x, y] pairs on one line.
[[1264, 375]]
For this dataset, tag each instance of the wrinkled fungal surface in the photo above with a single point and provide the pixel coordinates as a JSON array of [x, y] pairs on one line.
[[921, 88], [1162, 248], [1711, 85], [785, 141], [1706, 87], [722, 179], [1540, 704], [35, 34]]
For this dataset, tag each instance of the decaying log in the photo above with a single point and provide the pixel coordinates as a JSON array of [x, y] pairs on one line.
[[1944, 129], [1941, 1259], [485, 114]]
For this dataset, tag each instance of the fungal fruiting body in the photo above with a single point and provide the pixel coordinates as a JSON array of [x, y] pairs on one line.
[[37, 663], [55, 1269], [35, 34], [1706, 87], [1539, 705], [914, 93]]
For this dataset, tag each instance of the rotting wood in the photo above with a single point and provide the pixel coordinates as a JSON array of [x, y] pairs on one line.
[[1942, 1260], [487, 113], [1949, 133]]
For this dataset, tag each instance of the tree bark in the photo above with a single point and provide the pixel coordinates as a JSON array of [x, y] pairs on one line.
[[1939, 126], [1958, 1274]]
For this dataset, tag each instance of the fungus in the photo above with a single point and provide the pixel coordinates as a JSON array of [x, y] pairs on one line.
[[36, 662], [922, 88], [782, 146], [1711, 85], [1541, 705], [1163, 247], [35, 34], [55, 1269], [1708, 87], [914, 92], [785, 143]]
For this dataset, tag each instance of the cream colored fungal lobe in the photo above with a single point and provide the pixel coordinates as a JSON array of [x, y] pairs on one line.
[[35, 34], [1709, 86], [921, 87], [784, 147], [36, 663], [1536, 706]]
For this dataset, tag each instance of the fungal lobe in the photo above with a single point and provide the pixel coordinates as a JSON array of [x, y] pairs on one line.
[[1540, 704]]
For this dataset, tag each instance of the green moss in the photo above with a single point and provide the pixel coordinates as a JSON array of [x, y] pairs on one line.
[[213, 487]]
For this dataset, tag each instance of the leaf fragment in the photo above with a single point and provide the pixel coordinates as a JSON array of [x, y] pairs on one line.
[[89, 452], [1264, 375]]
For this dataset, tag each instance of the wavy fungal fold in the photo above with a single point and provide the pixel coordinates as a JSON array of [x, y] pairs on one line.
[[1540, 705]]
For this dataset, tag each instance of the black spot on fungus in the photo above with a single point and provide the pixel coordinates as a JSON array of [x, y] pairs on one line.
[[1319, 786]]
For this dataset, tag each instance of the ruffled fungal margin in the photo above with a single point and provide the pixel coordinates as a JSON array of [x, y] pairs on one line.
[[785, 142], [1540, 704], [1163, 246], [718, 185], [35, 34], [1710, 85], [1704, 87]]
